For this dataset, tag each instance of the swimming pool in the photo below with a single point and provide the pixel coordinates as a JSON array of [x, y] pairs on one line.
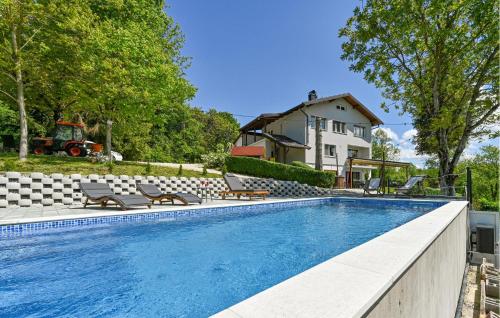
[[187, 267]]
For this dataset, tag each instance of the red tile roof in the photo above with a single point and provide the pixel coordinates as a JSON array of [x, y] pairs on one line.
[[247, 151]]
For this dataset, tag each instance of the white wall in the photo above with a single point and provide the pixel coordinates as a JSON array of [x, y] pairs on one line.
[[292, 125], [250, 139], [341, 141]]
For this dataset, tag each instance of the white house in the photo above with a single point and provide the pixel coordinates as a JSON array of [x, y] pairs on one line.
[[290, 136]]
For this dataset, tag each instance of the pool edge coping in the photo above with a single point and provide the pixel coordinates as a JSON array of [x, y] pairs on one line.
[[111, 213]]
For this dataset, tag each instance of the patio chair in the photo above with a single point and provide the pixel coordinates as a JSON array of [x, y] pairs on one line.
[[237, 188], [101, 193], [152, 192], [372, 185], [410, 184]]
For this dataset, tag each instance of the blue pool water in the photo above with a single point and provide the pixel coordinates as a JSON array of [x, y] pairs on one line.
[[185, 268]]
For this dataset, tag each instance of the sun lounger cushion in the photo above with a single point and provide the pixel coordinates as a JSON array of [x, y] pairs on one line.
[[101, 192], [152, 191], [411, 183], [96, 190], [374, 184], [131, 199], [234, 184]]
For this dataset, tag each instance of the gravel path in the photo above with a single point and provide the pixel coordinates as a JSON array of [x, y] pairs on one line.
[[188, 166]]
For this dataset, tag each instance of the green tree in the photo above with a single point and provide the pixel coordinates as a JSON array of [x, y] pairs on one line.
[[91, 61], [436, 60], [16, 35], [485, 174], [135, 74], [219, 128], [382, 146], [38, 42]]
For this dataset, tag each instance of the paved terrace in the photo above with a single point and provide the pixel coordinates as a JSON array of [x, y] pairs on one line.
[[49, 213], [15, 215]]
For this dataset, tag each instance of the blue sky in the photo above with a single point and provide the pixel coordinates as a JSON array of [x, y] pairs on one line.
[[252, 57]]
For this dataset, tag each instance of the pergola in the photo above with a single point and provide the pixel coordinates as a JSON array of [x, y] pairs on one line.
[[377, 163]]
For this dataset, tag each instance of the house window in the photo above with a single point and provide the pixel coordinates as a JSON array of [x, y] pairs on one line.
[[352, 153], [359, 131], [356, 175], [340, 107], [330, 150], [338, 127], [322, 123]]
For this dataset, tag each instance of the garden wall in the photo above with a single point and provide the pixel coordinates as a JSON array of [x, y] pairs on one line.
[[37, 189]]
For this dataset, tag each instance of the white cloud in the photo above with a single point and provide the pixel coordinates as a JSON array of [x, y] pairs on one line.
[[390, 133], [409, 134], [406, 147], [408, 154]]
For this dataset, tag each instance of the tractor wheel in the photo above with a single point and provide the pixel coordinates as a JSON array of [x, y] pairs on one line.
[[38, 151], [74, 151]]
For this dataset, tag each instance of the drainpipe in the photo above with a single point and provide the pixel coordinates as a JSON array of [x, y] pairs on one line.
[[307, 124]]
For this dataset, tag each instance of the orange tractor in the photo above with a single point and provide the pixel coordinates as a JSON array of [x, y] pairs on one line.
[[67, 137]]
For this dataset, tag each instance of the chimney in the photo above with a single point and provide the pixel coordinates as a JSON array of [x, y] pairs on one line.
[[312, 95]]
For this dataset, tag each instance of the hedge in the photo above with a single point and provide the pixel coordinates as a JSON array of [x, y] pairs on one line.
[[268, 169], [300, 164]]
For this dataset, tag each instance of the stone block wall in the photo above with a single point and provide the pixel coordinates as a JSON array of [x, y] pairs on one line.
[[37, 189]]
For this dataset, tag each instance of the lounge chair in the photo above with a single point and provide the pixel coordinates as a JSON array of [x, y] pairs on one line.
[[152, 192], [372, 185], [410, 184], [237, 188], [101, 193]]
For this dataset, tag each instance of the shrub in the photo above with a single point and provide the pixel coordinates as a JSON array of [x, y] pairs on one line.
[[180, 172], [205, 172], [483, 204], [217, 158], [300, 164], [267, 169], [110, 165], [9, 165], [148, 168]]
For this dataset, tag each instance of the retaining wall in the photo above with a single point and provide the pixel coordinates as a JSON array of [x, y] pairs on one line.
[[38, 189]]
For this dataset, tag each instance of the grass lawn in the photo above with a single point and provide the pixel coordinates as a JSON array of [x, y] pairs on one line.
[[68, 165]]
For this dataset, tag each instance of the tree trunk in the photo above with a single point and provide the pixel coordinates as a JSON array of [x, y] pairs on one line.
[[23, 124], [446, 177], [58, 111], [109, 124], [319, 146]]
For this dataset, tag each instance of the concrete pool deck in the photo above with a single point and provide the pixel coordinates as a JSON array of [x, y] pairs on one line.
[[50, 213], [17, 215]]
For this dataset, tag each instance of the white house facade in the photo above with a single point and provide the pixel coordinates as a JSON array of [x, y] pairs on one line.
[[291, 135]]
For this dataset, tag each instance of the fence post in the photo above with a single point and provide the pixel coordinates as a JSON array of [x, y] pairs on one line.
[[469, 186]]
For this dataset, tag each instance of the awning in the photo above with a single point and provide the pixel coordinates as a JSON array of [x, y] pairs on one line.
[[281, 140], [378, 163], [285, 141]]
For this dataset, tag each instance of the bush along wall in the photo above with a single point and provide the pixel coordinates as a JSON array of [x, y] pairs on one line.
[[268, 169]]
